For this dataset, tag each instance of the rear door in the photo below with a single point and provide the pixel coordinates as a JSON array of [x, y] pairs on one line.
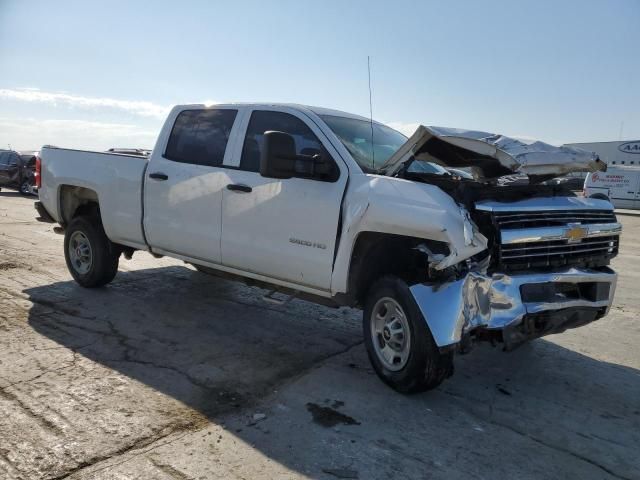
[[622, 186], [184, 184], [618, 185], [636, 202], [283, 229]]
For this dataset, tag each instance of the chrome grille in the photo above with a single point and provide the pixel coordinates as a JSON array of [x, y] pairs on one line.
[[551, 218], [558, 252]]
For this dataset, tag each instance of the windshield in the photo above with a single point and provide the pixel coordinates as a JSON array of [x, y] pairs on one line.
[[356, 136]]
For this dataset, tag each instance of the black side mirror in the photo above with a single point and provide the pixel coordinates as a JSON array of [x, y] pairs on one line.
[[280, 160], [278, 157]]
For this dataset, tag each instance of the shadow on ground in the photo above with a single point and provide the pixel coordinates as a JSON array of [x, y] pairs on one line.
[[216, 346], [207, 342]]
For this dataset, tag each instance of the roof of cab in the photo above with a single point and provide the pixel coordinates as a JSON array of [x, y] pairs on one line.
[[316, 110]]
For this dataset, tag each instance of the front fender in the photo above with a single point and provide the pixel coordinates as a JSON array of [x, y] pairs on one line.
[[376, 203]]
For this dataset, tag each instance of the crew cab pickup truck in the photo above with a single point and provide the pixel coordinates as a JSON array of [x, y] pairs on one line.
[[344, 211]]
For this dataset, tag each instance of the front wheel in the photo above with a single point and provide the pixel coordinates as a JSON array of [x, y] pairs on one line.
[[92, 259], [398, 341]]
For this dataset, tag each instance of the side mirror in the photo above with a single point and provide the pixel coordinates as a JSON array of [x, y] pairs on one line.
[[278, 158]]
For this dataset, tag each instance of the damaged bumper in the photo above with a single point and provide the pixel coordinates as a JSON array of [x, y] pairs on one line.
[[519, 307]]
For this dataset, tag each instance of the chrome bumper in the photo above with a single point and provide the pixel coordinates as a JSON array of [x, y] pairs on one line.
[[503, 302]]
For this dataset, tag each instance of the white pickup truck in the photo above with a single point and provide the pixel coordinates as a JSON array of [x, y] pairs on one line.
[[340, 210]]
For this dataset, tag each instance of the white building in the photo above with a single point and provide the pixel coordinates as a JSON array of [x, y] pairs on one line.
[[626, 152]]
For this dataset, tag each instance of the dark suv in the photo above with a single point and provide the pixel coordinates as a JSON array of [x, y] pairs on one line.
[[17, 170]]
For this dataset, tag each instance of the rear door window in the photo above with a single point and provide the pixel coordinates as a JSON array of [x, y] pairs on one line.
[[200, 137]]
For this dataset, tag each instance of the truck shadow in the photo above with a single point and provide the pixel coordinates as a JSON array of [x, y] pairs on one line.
[[216, 347], [207, 342]]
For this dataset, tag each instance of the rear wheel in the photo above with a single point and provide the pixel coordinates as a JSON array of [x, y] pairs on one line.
[[399, 343], [25, 187], [92, 259]]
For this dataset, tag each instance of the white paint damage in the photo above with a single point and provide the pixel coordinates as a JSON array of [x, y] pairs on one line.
[[377, 203], [491, 155]]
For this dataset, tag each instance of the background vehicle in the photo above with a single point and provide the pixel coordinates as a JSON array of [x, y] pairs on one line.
[[310, 202], [619, 185], [17, 170]]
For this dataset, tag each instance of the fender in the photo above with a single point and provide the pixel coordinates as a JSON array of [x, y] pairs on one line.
[[376, 203]]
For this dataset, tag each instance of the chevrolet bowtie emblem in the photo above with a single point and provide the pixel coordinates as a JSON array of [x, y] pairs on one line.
[[575, 234]]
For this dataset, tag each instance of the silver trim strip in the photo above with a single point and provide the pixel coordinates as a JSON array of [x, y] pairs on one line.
[[566, 252], [510, 249], [545, 234], [545, 203]]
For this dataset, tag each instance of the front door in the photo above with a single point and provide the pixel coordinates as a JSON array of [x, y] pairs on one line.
[[283, 229], [184, 184]]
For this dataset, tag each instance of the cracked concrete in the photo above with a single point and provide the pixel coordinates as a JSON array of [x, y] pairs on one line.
[[159, 375]]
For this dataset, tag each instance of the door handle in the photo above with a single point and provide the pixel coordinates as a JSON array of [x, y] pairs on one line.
[[158, 176], [239, 187]]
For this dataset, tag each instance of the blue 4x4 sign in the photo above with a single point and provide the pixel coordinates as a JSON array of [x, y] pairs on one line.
[[630, 147]]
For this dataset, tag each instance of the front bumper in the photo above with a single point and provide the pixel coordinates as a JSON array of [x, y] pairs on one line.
[[520, 307]]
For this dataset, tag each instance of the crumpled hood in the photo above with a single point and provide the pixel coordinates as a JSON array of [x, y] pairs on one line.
[[491, 155]]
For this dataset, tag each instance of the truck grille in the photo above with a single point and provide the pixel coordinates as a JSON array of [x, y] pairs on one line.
[[552, 234], [551, 218], [597, 250]]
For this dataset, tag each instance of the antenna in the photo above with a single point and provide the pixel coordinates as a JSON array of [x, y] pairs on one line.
[[621, 129], [373, 155]]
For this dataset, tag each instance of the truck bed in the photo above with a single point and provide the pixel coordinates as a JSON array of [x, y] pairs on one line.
[[116, 179]]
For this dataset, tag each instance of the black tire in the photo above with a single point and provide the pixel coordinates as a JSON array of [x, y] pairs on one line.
[[426, 367], [24, 187], [104, 254]]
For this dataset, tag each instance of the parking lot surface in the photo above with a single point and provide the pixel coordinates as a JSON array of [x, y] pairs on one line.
[[168, 373]]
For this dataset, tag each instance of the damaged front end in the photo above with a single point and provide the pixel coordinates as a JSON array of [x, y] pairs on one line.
[[544, 265], [490, 156], [545, 270], [514, 308]]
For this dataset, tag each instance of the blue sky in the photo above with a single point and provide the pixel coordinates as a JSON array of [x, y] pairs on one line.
[[99, 74]]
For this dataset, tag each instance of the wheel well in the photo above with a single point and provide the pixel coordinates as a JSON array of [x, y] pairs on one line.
[[599, 196], [376, 254], [76, 201]]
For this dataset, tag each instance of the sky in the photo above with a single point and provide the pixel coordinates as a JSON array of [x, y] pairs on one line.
[[98, 74]]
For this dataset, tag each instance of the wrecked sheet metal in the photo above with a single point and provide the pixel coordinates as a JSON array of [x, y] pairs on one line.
[[491, 155], [494, 302]]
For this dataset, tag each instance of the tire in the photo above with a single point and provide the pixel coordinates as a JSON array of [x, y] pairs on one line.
[[24, 187], [422, 367], [97, 265]]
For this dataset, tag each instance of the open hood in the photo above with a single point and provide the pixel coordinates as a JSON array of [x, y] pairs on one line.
[[491, 155]]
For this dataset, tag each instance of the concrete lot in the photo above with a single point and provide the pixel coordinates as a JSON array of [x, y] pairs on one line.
[[170, 374]]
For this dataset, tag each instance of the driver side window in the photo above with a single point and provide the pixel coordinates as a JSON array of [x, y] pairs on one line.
[[306, 142]]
